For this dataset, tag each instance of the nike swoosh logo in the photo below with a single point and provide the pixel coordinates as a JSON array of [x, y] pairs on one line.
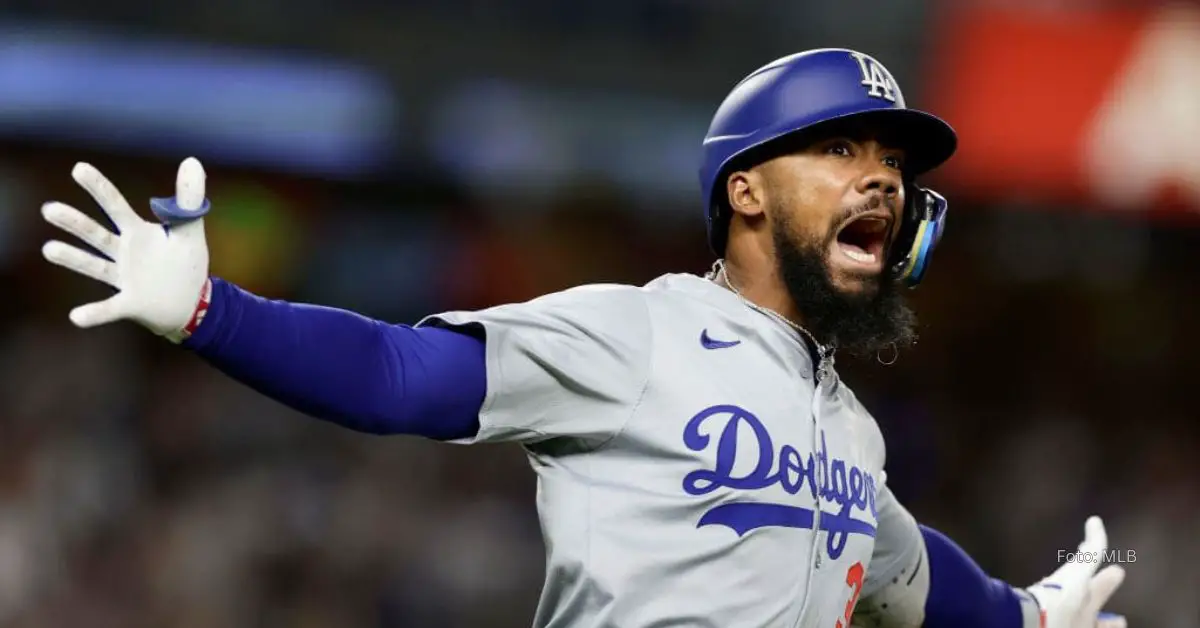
[[708, 343]]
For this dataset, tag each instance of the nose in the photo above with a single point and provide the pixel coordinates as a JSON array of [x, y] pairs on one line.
[[883, 180]]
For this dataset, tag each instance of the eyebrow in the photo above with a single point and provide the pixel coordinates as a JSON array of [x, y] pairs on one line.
[[861, 136]]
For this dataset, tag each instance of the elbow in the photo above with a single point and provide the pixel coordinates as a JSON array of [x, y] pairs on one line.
[[436, 384]]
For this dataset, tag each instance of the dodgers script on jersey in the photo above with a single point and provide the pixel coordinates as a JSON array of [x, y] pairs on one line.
[[686, 448]]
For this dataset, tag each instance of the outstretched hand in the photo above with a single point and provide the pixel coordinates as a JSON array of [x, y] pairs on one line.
[[1073, 595], [158, 269]]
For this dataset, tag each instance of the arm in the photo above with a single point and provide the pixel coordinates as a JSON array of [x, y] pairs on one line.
[[571, 365], [1071, 597], [919, 577], [345, 368], [960, 593], [329, 363]]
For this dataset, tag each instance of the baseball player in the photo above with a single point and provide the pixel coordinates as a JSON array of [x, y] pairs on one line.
[[699, 460]]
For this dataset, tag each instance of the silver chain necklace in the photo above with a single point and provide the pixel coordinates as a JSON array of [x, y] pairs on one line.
[[825, 353]]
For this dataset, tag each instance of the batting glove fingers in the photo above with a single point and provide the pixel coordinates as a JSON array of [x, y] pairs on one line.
[[158, 270], [1073, 595]]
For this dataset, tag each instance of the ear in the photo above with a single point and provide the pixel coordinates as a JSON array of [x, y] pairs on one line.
[[746, 192]]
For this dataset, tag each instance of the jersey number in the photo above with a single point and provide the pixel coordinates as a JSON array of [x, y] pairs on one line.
[[854, 578]]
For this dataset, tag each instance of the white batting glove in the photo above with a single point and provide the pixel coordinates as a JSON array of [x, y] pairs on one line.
[[160, 270], [1073, 595]]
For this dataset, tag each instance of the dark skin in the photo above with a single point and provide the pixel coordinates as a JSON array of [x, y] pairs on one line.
[[790, 247]]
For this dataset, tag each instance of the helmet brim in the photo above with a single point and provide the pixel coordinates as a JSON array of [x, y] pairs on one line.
[[927, 140]]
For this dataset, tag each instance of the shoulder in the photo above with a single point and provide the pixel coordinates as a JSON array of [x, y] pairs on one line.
[[603, 295], [600, 308], [603, 305], [578, 321]]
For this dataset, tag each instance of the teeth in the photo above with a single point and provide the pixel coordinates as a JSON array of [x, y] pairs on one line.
[[859, 255]]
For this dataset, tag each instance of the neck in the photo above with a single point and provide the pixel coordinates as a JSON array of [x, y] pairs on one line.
[[764, 289]]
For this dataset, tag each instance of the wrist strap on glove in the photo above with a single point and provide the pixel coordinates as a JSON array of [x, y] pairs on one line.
[[1032, 615], [197, 314]]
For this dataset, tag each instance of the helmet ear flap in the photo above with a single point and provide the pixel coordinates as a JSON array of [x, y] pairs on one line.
[[920, 232]]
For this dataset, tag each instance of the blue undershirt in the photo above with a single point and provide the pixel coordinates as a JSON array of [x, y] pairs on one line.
[[343, 367]]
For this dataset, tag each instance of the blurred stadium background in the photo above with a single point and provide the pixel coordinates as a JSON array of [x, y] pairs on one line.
[[411, 156]]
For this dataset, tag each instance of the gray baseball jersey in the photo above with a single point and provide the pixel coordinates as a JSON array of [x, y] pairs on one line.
[[686, 448]]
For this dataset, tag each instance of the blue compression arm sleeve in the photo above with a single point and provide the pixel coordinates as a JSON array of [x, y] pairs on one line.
[[961, 594], [342, 367]]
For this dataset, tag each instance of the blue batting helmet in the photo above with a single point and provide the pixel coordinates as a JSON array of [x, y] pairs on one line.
[[807, 89]]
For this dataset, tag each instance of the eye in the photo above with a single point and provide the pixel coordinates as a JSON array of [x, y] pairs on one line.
[[894, 162], [839, 148]]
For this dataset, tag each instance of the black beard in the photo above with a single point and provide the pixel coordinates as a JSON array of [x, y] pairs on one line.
[[862, 324]]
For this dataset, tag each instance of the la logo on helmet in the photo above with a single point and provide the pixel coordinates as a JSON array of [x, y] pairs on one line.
[[877, 78]]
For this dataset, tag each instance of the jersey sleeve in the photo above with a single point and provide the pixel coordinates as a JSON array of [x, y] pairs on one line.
[[897, 582], [568, 365]]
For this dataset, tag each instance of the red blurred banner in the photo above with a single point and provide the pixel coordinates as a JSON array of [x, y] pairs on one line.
[[1068, 106]]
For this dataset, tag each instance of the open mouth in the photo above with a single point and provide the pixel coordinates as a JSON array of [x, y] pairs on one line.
[[863, 239]]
